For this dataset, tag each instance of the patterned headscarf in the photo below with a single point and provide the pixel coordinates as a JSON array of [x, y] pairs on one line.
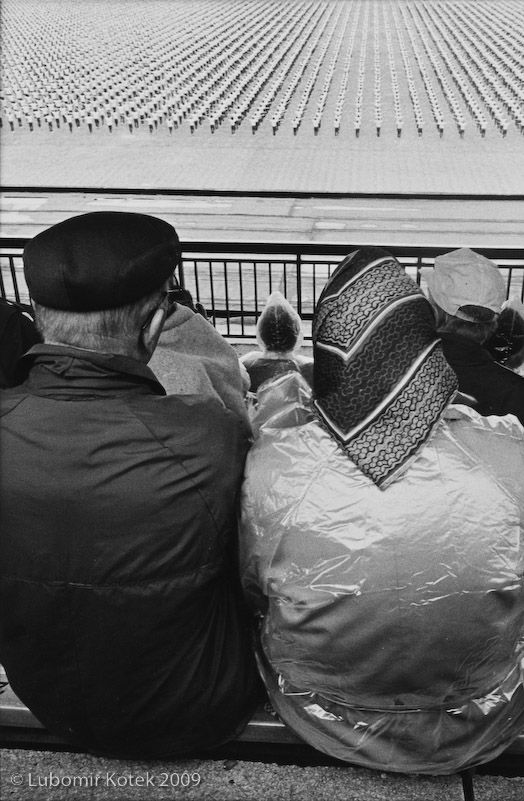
[[381, 380]]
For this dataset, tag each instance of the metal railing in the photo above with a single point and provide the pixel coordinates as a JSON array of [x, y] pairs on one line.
[[233, 280]]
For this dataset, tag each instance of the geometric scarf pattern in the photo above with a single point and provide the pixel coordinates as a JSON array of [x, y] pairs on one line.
[[381, 380]]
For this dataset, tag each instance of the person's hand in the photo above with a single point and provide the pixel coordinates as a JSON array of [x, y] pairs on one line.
[[182, 307], [178, 316], [183, 297]]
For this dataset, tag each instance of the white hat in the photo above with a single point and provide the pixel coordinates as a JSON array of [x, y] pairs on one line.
[[465, 278]]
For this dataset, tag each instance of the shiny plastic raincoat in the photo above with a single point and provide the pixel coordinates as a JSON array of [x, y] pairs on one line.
[[393, 618]]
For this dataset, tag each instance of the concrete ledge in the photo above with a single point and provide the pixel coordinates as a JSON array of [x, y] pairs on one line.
[[17, 722]]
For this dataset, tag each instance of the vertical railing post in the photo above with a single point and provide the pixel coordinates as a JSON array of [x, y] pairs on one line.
[[181, 278], [13, 278], [226, 295], [299, 283], [197, 285], [212, 293], [241, 290], [255, 288], [2, 285]]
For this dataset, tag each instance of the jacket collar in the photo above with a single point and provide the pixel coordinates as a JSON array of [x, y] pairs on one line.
[[48, 369]]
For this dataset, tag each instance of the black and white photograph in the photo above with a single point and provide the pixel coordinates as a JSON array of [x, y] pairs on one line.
[[262, 400]]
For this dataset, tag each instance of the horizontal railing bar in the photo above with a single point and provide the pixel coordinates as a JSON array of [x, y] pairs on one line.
[[233, 279], [119, 190], [311, 248]]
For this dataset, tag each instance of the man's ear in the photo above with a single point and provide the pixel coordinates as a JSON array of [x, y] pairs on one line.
[[151, 334]]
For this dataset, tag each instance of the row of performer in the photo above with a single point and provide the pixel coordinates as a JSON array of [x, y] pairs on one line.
[[453, 69]]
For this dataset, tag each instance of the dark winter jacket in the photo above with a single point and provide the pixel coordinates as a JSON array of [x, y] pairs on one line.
[[122, 627], [496, 389]]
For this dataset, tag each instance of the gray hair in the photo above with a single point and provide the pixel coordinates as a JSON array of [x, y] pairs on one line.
[[110, 330]]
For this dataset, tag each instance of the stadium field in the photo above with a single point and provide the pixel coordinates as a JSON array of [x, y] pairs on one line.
[[344, 96]]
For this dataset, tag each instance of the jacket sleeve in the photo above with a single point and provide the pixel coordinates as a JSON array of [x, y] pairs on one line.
[[273, 462]]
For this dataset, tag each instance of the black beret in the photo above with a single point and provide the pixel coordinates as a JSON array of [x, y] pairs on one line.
[[100, 260]]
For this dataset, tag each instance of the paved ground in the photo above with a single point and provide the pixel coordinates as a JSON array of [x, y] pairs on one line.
[[380, 221], [98, 779]]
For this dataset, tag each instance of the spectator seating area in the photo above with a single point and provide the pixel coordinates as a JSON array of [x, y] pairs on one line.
[[302, 275], [361, 66]]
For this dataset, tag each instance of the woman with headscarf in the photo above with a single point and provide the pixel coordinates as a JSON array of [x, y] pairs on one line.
[[383, 540], [279, 337]]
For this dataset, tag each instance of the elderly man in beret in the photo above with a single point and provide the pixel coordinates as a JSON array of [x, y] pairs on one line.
[[467, 292], [123, 628]]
